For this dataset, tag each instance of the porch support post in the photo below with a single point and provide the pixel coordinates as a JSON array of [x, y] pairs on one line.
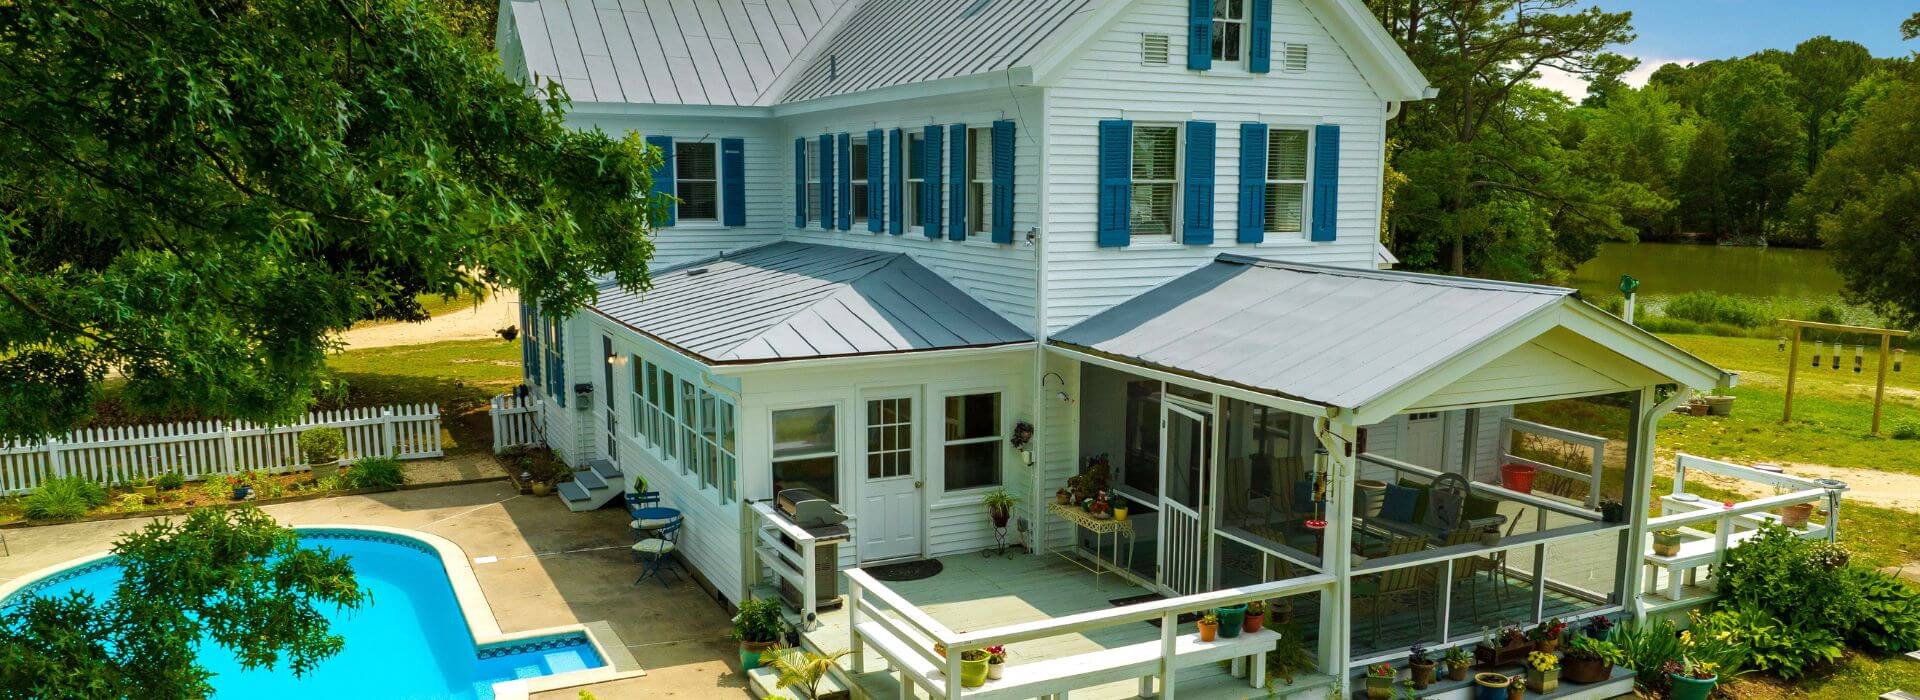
[[1336, 628], [1638, 499], [1470, 443]]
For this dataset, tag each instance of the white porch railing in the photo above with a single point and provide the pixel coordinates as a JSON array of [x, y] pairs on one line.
[[1733, 523], [794, 563], [198, 449], [517, 421], [1593, 444], [870, 601]]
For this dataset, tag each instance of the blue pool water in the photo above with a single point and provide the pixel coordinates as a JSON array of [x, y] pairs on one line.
[[409, 641]]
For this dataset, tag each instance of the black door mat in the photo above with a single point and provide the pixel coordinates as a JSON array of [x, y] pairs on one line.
[[906, 570], [1185, 618]]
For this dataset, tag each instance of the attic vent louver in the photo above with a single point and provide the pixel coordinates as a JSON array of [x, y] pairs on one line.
[[1296, 58], [1153, 49], [833, 66]]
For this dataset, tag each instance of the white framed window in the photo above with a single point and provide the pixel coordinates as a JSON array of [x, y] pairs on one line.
[[857, 173], [1156, 180], [696, 181], [1288, 153], [691, 453], [916, 177], [972, 441], [889, 437], [812, 169], [806, 450], [979, 180], [1230, 30], [641, 413], [669, 416]]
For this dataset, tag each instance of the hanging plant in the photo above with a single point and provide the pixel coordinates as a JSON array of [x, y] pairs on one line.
[[1022, 435]]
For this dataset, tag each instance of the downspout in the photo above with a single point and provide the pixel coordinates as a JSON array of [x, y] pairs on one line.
[[1393, 110], [1037, 475]]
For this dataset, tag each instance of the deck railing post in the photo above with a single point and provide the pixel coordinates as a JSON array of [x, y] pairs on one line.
[[54, 464], [808, 605], [1169, 635], [953, 672], [1446, 602], [386, 433], [1540, 569], [855, 645]]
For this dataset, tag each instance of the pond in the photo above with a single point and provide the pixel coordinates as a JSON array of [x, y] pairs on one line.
[[1667, 269]]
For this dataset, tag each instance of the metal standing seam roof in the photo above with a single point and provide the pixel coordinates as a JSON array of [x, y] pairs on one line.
[[897, 42], [1332, 336], [787, 301]]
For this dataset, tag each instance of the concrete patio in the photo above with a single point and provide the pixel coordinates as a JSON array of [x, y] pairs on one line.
[[549, 567]]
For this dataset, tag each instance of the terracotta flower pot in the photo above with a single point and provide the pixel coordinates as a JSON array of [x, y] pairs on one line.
[[1254, 622], [1585, 669], [1458, 672], [1208, 630], [1422, 674], [1796, 515], [1543, 681]]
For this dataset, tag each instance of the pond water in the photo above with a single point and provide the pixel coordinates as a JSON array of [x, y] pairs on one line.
[[1667, 269]]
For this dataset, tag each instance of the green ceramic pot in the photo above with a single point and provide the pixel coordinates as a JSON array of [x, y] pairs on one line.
[[1687, 688], [973, 674], [1231, 619]]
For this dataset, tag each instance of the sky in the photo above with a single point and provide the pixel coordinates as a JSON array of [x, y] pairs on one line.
[[1688, 31]]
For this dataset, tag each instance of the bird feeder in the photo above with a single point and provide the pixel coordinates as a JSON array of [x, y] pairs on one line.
[[1859, 351], [1817, 347]]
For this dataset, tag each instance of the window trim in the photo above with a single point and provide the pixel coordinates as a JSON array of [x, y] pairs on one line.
[[858, 187], [1173, 235], [719, 192], [914, 182], [979, 185], [1001, 429], [1246, 31], [814, 186], [1306, 185], [837, 453]]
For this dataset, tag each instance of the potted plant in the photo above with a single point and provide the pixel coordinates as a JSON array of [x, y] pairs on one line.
[[1505, 646], [1517, 687], [1666, 542], [1546, 636], [1613, 511], [758, 627], [145, 487], [1062, 497], [1718, 404], [1380, 680], [1459, 662], [1209, 625], [1421, 666], [1490, 537], [1589, 659], [996, 662], [1256, 616], [1796, 515], [1490, 686], [1599, 626], [1543, 671], [973, 668], [801, 671], [1693, 681], [321, 448], [1119, 509], [1232, 620], [999, 505]]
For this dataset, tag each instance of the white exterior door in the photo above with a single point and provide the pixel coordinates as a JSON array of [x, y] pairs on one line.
[[1424, 441], [890, 511], [1185, 448]]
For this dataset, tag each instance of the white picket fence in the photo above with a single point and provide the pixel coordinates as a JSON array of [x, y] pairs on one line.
[[198, 449], [516, 421]]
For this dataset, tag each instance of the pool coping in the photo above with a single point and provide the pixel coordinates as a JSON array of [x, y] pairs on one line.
[[482, 627]]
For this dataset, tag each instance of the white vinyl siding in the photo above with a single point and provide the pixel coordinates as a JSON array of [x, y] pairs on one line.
[[696, 181], [1156, 180], [1288, 155]]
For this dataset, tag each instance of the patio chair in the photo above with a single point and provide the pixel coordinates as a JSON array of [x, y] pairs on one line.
[[653, 552], [1401, 586], [1494, 565], [642, 499]]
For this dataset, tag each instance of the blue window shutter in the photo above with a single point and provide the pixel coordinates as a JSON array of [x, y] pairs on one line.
[[1253, 183], [846, 182], [897, 183], [826, 181], [1260, 26], [733, 182], [1326, 181], [1116, 182], [876, 180], [1198, 207], [1003, 181], [930, 192], [799, 183], [957, 193], [1200, 34], [663, 175]]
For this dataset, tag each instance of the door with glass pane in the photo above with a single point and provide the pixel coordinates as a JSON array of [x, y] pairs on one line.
[[888, 522], [1185, 448]]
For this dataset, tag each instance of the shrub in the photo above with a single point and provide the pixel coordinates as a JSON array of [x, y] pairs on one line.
[[59, 499], [1747, 636], [1710, 307], [375, 473], [1827, 313], [1797, 581], [1906, 429], [170, 481], [322, 445], [217, 487], [1889, 612], [264, 484]]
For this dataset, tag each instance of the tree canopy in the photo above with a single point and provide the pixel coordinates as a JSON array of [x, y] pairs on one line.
[[200, 193], [234, 578]]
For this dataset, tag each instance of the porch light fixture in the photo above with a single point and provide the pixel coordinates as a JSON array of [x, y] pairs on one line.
[[1062, 393]]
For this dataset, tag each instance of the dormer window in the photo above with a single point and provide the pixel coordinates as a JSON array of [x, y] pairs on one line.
[[1230, 30]]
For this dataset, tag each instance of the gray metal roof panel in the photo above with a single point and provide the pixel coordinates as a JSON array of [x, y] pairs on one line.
[[897, 42], [1333, 336], [797, 300]]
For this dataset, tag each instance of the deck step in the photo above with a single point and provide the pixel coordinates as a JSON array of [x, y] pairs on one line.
[[762, 682], [572, 491], [606, 469], [587, 478]]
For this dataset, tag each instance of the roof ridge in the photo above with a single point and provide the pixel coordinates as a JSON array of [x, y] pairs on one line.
[[808, 54], [1397, 275]]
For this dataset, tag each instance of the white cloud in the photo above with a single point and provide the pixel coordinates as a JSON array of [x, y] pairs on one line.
[[1572, 86]]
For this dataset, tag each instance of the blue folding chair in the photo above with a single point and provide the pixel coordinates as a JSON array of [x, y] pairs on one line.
[[653, 552], [641, 500]]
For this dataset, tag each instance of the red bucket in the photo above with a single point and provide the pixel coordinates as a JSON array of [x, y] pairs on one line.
[[1517, 477]]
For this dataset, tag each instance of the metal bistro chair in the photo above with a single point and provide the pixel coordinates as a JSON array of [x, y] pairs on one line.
[[653, 552], [1403, 584], [645, 523]]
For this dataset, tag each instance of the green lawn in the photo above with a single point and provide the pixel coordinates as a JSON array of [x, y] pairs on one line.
[[459, 375]]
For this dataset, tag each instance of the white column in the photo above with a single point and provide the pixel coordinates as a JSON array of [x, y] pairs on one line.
[[1336, 625], [1647, 410]]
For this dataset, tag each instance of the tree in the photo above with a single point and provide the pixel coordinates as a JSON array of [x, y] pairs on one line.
[[1823, 69], [234, 578], [1640, 138], [1749, 98], [1702, 179], [198, 195], [1867, 197]]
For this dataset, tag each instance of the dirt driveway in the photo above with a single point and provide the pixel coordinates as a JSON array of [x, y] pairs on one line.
[[501, 309]]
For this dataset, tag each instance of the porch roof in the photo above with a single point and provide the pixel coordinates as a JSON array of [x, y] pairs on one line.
[[788, 301], [1379, 342]]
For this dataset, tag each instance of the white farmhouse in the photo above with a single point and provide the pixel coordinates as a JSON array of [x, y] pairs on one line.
[[1146, 233]]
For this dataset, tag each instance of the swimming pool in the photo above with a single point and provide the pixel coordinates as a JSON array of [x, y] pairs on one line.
[[411, 640]]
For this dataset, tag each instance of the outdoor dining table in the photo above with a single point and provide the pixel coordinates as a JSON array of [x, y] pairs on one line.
[[652, 518]]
